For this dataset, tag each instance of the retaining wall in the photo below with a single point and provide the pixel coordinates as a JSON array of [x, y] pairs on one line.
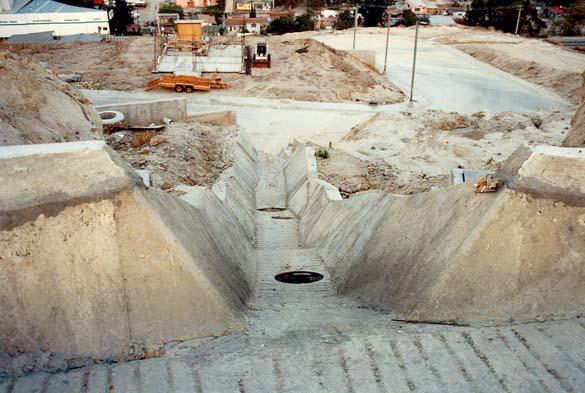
[[143, 113]]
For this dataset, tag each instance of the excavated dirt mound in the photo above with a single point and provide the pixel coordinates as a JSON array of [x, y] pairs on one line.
[[316, 73], [37, 107], [118, 65], [576, 136]]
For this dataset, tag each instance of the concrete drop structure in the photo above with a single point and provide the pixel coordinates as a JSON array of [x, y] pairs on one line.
[[96, 266], [105, 266]]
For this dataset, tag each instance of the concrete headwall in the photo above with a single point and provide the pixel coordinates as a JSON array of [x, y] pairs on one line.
[[143, 113], [95, 266], [452, 254]]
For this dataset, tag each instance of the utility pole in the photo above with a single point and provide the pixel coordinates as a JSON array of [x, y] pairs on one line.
[[518, 20], [414, 62], [387, 39], [355, 24]]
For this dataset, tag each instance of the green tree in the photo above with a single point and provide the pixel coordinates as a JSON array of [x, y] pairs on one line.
[[345, 20], [217, 11], [281, 25], [304, 22], [171, 8], [572, 21], [287, 24], [373, 11], [408, 18], [503, 15]]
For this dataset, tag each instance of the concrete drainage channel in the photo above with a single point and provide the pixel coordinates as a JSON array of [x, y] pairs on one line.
[[306, 333]]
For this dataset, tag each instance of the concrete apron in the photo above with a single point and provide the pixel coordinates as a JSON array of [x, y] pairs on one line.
[[305, 338]]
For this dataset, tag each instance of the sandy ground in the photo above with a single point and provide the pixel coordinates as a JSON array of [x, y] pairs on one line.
[[319, 74], [37, 107], [447, 78], [406, 152], [121, 65], [398, 148], [192, 153], [540, 62]]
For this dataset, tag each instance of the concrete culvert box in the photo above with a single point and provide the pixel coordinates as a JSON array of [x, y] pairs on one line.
[[96, 267]]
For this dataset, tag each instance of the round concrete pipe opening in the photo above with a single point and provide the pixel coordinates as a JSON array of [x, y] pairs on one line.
[[298, 277], [111, 117]]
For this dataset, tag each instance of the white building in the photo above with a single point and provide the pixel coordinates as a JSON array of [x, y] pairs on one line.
[[25, 17], [235, 25]]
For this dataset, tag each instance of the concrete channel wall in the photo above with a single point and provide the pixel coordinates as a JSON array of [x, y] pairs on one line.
[[94, 266], [143, 113], [237, 185], [453, 255]]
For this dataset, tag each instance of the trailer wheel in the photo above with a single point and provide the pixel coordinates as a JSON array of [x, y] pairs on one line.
[[188, 89], [179, 88]]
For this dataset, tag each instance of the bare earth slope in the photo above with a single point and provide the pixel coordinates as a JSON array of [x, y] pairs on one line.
[[319, 74], [576, 136], [37, 107], [537, 61]]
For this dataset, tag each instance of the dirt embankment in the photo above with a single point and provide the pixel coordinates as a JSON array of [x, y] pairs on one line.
[[576, 136], [565, 83], [316, 73], [535, 60], [119, 65], [406, 153], [37, 107], [192, 154]]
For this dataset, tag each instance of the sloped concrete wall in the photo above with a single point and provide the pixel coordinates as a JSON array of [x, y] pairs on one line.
[[452, 254], [299, 168], [237, 185], [94, 266]]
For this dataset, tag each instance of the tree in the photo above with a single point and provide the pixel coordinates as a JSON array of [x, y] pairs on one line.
[[304, 22], [171, 8], [281, 25], [122, 17], [503, 15], [572, 21], [345, 20], [373, 11], [217, 11], [408, 18], [287, 24]]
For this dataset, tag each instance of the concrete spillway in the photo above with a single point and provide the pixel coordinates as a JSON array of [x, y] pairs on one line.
[[269, 216]]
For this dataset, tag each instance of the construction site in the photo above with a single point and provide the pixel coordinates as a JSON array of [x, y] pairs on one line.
[[309, 212]]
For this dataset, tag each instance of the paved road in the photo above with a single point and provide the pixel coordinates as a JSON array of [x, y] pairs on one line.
[[449, 79], [304, 338]]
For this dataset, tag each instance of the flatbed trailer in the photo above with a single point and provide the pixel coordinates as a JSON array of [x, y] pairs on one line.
[[186, 83]]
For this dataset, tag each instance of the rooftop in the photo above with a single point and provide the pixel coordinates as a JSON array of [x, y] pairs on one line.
[[240, 21], [45, 7]]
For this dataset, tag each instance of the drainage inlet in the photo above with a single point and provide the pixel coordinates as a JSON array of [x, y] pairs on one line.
[[298, 277]]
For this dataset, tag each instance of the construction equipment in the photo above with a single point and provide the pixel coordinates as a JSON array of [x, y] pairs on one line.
[[187, 83], [261, 57]]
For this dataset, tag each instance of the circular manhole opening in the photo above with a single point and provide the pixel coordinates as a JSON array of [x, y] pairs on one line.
[[298, 277]]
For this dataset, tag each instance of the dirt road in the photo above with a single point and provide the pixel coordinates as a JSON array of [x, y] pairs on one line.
[[450, 80]]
